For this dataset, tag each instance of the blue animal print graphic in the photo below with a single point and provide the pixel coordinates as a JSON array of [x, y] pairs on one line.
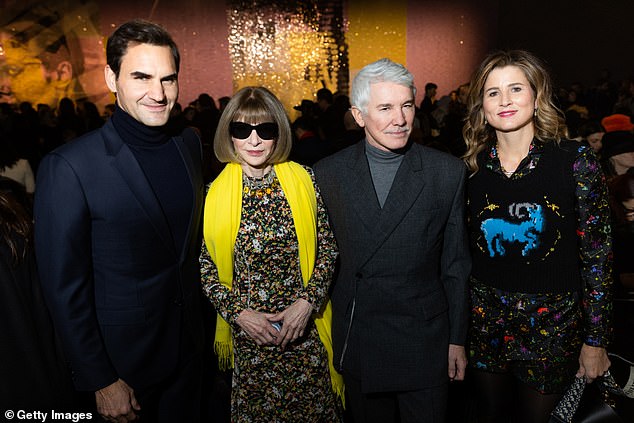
[[498, 231]]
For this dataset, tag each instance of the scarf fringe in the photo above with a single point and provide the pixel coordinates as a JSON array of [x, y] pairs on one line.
[[340, 390], [224, 351]]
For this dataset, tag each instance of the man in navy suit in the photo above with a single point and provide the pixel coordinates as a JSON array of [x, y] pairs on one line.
[[117, 234], [400, 298]]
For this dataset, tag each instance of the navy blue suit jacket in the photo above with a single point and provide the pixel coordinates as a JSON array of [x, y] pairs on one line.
[[120, 294]]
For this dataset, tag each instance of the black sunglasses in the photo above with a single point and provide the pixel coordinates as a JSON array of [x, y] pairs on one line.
[[242, 131]]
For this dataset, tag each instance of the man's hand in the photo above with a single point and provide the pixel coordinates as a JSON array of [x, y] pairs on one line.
[[116, 402], [457, 362], [258, 327]]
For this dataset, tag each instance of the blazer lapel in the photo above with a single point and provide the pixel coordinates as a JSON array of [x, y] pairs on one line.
[[408, 182], [407, 185], [129, 168], [360, 189]]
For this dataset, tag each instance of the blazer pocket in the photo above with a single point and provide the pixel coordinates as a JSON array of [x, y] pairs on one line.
[[128, 316], [434, 304]]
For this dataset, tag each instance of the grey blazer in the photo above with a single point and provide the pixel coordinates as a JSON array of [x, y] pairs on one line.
[[400, 295]]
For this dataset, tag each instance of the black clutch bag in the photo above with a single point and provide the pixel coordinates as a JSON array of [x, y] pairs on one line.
[[593, 403]]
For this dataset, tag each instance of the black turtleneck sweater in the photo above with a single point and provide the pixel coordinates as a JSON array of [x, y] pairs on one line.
[[164, 168]]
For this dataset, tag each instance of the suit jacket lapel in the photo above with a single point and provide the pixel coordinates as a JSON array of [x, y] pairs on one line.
[[408, 182], [360, 189], [129, 168], [407, 185]]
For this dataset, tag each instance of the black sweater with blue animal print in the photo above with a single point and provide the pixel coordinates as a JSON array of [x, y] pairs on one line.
[[524, 230]]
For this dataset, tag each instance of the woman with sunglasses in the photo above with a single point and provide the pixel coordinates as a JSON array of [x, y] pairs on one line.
[[267, 264]]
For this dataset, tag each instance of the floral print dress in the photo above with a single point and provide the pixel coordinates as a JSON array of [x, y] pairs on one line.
[[270, 385]]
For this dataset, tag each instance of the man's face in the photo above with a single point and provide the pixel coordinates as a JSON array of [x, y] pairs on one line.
[[147, 86], [389, 117], [22, 75]]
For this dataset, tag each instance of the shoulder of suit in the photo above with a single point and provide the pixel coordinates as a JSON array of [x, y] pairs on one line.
[[434, 155], [190, 134], [81, 146], [339, 157]]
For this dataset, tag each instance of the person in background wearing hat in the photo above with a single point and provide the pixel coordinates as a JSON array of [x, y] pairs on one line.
[[618, 144], [309, 111], [307, 108]]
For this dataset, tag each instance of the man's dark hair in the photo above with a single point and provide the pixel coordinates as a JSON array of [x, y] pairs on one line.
[[135, 32], [430, 85]]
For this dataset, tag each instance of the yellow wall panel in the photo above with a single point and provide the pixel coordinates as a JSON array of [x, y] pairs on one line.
[[377, 29]]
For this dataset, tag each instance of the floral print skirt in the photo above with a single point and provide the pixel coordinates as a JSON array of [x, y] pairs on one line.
[[535, 337]]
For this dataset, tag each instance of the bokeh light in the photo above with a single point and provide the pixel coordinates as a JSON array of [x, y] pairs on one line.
[[290, 48]]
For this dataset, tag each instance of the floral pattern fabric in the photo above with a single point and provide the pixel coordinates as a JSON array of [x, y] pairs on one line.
[[271, 385]]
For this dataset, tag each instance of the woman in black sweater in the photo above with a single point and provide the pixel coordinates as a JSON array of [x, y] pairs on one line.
[[540, 236]]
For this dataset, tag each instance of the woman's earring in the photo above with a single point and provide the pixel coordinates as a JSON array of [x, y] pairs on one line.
[[535, 112], [485, 121]]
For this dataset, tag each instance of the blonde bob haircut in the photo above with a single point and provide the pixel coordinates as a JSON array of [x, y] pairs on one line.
[[253, 105], [548, 120]]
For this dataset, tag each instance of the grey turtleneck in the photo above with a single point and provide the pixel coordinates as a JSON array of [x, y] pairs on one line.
[[383, 167]]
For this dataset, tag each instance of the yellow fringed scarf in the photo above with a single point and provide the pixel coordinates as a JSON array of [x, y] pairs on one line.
[[223, 208]]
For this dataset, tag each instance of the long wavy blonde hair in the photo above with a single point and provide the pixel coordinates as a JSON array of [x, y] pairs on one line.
[[548, 120]]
